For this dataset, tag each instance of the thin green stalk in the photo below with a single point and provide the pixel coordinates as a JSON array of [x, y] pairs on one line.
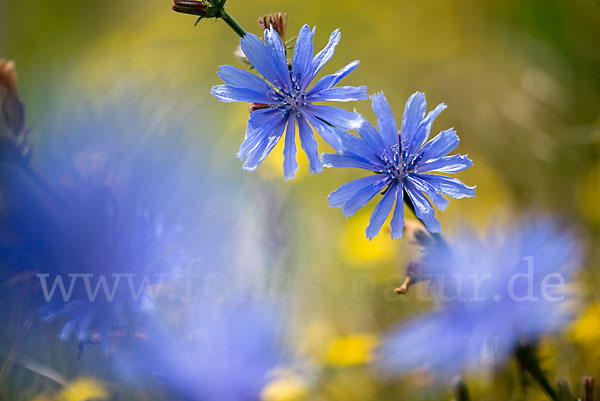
[[233, 24], [526, 356]]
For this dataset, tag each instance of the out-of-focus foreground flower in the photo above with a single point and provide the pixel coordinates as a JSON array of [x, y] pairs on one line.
[[131, 205], [400, 161], [495, 292], [218, 351], [283, 98]]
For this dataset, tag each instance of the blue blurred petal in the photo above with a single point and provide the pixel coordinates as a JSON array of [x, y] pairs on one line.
[[386, 123], [447, 164], [414, 111], [335, 116], [261, 123], [226, 93], [339, 94], [309, 145], [381, 211], [424, 129], [449, 186], [328, 81], [277, 51], [260, 58], [423, 208], [340, 161], [341, 195], [239, 78], [321, 58], [364, 195], [268, 140], [442, 144], [397, 222], [303, 52], [290, 164]]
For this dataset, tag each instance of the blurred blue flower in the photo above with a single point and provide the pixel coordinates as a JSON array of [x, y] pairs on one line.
[[399, 161], [283, 98], [132, 205], [494, 293], [217, 351]]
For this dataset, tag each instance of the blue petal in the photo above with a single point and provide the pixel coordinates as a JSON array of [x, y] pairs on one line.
[[355, 146], [268, 141], [414, 111], [340, 161], [341, 195], [443, 143], [364, 195], [303, 53], [447, 164], [335, 116], [328, 81], [397, 222], [372, 138], [290, 164], [277, 52], [260, 58], [321, 58], [423, 208], [386, 123], [310, 146], [226, 93], [423, 186], [330, 134], [261, 123], [424, 129], [238, 78], [449, 186], [381, 211], [339, 94]]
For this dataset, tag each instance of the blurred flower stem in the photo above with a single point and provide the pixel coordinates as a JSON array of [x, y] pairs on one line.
[[528, 361]]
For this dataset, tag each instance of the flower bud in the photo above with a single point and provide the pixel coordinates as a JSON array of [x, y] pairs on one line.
[[13, 134], [198, 8], [278, 21]]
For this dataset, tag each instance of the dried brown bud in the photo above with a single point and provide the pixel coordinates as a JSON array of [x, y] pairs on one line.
[[13, 134], [191, 7], [8, 78], [278, 21]]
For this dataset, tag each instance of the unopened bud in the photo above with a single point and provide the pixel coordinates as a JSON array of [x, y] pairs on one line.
[[278, 21], [198, 8], [13, 134]]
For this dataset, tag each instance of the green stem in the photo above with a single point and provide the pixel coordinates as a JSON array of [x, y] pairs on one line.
[[233, 24], [525, 354]]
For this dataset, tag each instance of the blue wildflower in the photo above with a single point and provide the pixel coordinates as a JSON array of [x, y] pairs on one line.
[[495, 292], [285, 98], [218, 351], [124, 218], [400, 162]]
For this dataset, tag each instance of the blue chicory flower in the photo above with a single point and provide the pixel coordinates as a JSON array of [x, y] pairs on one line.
[[132, 206], [286, 99], [494, 292], [402, 162]]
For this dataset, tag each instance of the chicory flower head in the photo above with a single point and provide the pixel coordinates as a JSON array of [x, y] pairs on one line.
[[124, 216], [284, 99], [402, 162], [219, 351], [495, 292]]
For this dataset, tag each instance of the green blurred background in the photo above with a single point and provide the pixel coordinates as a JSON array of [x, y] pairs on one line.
[[522, 84]]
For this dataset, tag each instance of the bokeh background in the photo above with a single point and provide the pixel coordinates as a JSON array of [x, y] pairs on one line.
[[522, 84]]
